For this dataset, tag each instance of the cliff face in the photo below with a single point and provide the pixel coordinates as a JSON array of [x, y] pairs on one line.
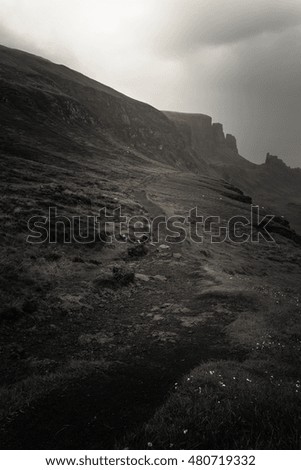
[[231, 142], [203, 136]]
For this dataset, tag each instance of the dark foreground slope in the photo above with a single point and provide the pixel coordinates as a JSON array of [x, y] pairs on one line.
[[189, 345]]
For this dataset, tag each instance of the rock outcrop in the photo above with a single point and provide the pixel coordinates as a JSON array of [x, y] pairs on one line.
[[231, 143], [218, 134], [275, 162], [204, 137]]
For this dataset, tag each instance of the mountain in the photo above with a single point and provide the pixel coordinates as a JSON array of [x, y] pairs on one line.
[[273, 184], [35, 91], [186, 338], [40, 99]]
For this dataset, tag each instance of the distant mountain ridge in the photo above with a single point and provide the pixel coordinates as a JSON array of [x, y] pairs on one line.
[[48, 110], [272, 184]]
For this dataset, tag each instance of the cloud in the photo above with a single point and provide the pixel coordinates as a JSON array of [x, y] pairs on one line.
[[183, 27]]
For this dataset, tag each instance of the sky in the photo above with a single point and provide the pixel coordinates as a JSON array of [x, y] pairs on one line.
[[237, 60]]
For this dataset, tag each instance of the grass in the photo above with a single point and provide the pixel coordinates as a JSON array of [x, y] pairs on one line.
[[255, 404], [58, 318], [227, 405], [18, 396]]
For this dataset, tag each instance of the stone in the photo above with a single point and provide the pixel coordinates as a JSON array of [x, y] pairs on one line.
[[142, 277], [179, 309], [160, 278], [158, 317], [155, 309]]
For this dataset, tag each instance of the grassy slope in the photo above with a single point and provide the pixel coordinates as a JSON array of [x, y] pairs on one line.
[[253, 402], [113, 353]]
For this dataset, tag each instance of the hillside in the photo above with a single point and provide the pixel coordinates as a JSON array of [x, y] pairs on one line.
[[38, 95], [175, 342], [273, 184], [40, 99]]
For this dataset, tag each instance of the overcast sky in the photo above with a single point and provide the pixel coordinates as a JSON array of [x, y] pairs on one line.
[[237, 60]]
